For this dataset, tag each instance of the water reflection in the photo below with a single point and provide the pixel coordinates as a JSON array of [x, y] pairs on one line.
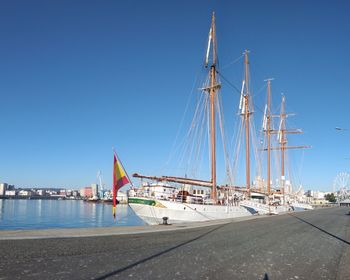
[[36, 214]]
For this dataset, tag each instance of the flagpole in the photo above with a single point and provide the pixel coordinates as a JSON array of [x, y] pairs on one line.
[[114, 188], [119, 164]]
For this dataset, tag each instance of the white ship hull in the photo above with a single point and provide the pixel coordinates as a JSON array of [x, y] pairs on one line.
[[258, 207], [301, 206], [262, 208], [152, 211]]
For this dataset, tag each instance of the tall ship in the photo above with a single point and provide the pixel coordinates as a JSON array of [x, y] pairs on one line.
[[153, 202], [185, 199]]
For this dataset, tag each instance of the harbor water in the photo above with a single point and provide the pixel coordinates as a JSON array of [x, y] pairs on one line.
[[43, 214]]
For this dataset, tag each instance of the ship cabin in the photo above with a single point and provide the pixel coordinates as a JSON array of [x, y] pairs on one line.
[[187, 197], [159, 190], [258, 196]]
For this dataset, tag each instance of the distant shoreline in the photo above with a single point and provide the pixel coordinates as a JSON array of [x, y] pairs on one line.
[[38, 197]]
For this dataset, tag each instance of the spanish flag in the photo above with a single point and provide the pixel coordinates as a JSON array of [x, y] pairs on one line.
[[120, 178]]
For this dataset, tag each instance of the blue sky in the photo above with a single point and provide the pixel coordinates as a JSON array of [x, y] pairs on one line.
[[80, 77]]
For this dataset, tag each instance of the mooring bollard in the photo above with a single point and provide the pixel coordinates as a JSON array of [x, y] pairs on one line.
[[165, 220]]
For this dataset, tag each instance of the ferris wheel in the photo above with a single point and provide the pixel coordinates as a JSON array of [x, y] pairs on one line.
[[341, 185]]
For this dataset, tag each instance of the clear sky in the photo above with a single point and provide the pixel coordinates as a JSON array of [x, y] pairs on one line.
[[78, 77]]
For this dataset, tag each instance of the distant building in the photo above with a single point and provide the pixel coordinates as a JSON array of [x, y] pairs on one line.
[[319, 195], [86, 192], [3, 188], [40, 192], [10, 193], [259, 183], [63, 192], [319, 201], [75, 193], [122, 197], [316, 195], [308, 193], [94, 189], [25, 193], [345, 202]]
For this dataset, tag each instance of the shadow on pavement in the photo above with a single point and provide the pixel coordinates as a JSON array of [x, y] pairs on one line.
[[158, 254], [330, 234]]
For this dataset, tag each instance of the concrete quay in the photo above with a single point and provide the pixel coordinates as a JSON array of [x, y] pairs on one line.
[[304, 245]]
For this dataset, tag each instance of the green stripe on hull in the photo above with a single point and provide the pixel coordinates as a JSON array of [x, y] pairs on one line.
[[141, 201]]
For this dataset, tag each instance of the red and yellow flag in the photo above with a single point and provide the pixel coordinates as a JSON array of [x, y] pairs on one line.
[[119, 179]]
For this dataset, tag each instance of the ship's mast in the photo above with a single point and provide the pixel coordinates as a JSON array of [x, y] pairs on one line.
[[283, 140], [281, 137], [212, 96], [246, 121], [211, 89], [268, 137]]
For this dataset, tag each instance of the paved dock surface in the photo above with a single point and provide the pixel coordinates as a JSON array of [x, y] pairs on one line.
[[305, 245]]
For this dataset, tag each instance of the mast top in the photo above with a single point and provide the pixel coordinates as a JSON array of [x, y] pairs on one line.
[[283, 101], [211, 44]]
